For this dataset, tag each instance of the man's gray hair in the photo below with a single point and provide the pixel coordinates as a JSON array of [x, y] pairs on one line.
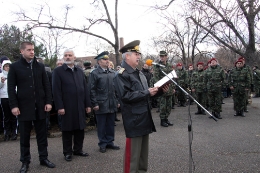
[[69, 50], [124, 55]]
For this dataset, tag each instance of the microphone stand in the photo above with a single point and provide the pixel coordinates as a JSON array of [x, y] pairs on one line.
[[189, 118]]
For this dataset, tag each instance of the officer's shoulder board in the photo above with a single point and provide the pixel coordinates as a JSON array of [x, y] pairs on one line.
[[92, 70], [121, 70]]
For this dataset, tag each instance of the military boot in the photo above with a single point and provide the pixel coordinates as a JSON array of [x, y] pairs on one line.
[[168, 122], [242, 113], [198, 112], [237, 113], [218, 115], [203, 112], [213, 113], [164, 123]]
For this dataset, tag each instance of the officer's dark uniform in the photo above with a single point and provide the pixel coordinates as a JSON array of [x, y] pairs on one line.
[[132, 89], [102, 94]]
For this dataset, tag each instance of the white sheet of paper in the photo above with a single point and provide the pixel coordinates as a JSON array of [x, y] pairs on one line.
[[165, 79]]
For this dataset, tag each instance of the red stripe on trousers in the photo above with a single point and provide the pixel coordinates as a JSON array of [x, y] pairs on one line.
[[127, 155]]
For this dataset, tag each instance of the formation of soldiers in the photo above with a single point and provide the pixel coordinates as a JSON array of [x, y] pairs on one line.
[[206, 83]]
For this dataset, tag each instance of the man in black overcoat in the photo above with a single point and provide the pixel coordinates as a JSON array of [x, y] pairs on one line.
[[71, 99], [30, 98]]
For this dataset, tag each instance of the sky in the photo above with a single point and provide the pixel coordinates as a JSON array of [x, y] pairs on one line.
[[136, 20]]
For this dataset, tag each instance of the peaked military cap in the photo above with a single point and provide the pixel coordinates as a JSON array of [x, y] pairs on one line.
[[163, 53], [103, 55], [131, 47]]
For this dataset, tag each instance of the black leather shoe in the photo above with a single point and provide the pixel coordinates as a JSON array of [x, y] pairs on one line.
[[198, 112], [102, 149], [164, 124], [24, 168], [81, 154], [68, 157], [14, 137], [169, 123], [218, 115], [113, 147], [47, 163], [7, 138]]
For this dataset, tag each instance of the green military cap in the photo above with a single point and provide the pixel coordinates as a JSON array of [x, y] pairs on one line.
[[163, 53], [131, 47], [87, 63], [103, 55]]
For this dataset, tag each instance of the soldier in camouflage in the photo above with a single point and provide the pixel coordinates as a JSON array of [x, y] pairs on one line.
[[239, 83], [87, 70], [190, 73], [248, 92], [166, 99], [214, 78], [198, 87], [256, 81], [182, 80], [90, 116]]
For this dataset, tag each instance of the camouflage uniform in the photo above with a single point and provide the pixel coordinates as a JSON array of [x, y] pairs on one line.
[[199, 86], [165, 103], [214, 78], [190, 74], [182, 80], [239, 79], [248, 92], [256, 81], [90, 116]]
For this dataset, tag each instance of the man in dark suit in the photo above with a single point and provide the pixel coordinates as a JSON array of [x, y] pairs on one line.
[[30, 102], [71, 99]]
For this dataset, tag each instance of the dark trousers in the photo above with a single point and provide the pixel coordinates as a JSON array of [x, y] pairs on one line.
[[25, 131], [78, 138], [10, 121], [1, 119], [105, 129]]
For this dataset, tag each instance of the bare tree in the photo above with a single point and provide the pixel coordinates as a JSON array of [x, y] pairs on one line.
[[97, 46], [231, 23], [104, 17], [52, 40], [181, 35]]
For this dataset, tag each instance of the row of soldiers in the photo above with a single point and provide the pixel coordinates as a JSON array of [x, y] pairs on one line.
[[205, 84]]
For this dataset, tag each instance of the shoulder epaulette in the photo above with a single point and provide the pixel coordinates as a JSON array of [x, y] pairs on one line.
[[121, 70], [92, 70]]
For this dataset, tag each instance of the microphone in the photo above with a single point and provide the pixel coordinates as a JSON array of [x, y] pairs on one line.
[[150, 62]]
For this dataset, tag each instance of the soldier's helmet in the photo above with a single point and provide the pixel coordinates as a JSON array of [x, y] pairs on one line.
[[87, 63]]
